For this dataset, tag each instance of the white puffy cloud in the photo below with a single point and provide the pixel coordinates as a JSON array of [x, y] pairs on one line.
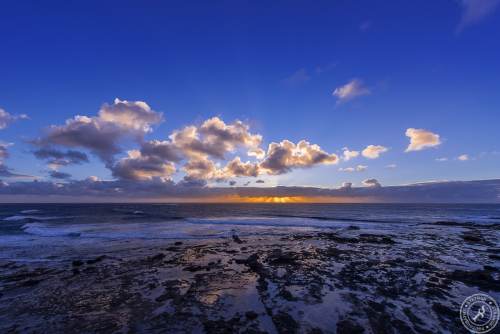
[[374, 151], [238, 168], [421, 139], [463, 157], [352, 89], [102, 134], [348, 154], [285, 156], [215, 138], [6, 118]]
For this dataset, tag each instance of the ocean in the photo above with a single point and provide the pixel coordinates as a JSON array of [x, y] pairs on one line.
[[172, 221]]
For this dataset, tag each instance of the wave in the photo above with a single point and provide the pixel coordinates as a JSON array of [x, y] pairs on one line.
[[30, 211], [28, 217]]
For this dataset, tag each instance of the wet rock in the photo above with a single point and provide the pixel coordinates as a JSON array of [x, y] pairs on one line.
[[377, 239], [157, 257], [77, 263], [349, 327], [285, 323], [97, 259], [178, 243], [237, 239], [480, 278], [287, 295], [251, 315]]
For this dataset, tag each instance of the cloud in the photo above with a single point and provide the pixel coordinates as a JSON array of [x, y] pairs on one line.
[[6, 118], [352, 89], [238, 168], [285, 156], [257, 152], [463, 157], [202, 168], [215, 138], [346, 186], [371, 183], [4, 152], [474, 11], [442, 159], [7, 172], [102, 134], [358, 168], [391, 166], [92, 190], [57, 158], [299, 77], [421, 139], [373, 151], [348, 155], [59, 175], [139, 167]]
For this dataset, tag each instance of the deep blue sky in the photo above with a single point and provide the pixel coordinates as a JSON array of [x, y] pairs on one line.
[[237, 60]]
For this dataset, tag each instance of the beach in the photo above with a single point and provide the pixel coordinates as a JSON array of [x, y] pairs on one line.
[[353, 278]]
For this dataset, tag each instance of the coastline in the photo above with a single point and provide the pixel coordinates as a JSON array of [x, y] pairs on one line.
[[355, 279]]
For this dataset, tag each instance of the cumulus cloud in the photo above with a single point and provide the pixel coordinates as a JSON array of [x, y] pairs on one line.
[[238, 168], [202, 169], [257, 153], [371, 183], [374, 151], [346, 186], [463, 157], [101, 134], [348, 154], [138, 167], [6, 118], [285, 156], [215, 138], [421, 139], [352, 89], [474, 11]]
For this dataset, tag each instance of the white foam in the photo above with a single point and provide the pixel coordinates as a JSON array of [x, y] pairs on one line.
[[30, 211], [23, 217]]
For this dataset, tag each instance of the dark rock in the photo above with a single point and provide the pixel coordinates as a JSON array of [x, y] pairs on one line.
[[178, 243], [251, 315], [77, 263], [237, 239], [285, 323], [349, 327], [97, 259], [480, 278]]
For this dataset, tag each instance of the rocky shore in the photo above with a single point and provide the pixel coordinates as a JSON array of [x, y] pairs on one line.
[[348, 280]]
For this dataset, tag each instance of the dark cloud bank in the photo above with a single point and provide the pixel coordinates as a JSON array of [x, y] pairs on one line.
[[93, 190]]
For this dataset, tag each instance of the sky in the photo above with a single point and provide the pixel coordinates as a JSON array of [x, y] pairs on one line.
[[203, 95]]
